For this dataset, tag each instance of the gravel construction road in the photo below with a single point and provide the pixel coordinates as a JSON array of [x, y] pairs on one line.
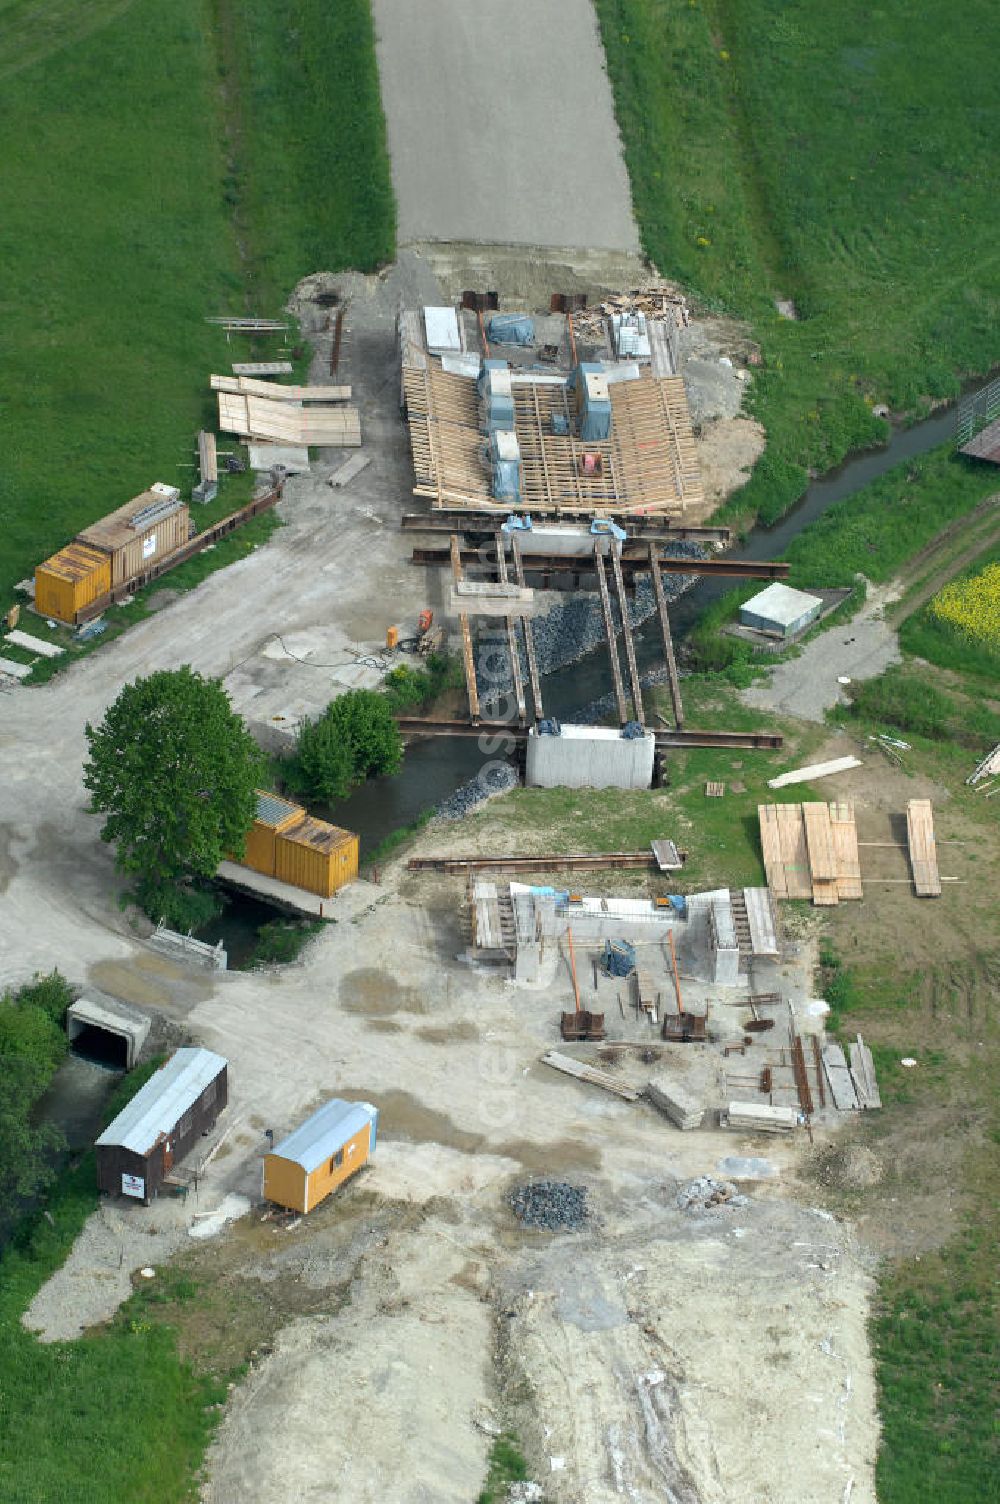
[[501, 124], [807, 686]]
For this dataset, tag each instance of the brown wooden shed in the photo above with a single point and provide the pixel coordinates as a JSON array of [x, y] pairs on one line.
[[161, 1124]]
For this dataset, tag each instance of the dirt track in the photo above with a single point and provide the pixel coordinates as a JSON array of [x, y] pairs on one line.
[[501, 124]]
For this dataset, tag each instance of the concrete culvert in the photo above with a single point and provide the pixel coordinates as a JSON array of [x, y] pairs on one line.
[[105, 1030]]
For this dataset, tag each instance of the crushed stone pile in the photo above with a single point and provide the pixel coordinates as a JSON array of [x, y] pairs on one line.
[[706, 1193], [552, 1204]]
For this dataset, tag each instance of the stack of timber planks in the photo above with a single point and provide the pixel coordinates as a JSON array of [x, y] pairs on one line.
[[295, 415], [923, 848], [811, 851], [590, 1074], [758, 1117], [853, 1087], [684, 1110]]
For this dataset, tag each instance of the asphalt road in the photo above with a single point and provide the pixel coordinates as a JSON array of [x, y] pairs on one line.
[[501, 124]]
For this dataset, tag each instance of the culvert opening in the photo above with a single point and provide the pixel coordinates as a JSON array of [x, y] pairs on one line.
[[99, 1045]]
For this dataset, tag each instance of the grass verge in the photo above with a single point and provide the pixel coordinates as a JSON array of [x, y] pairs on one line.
[[933, 1327], [839, 159], [506, 1466], [875, 533], [139, 198]]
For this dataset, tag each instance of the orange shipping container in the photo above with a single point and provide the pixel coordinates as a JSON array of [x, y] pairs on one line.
[[71, 580], [273, 815], [141, 533], [318, 857]]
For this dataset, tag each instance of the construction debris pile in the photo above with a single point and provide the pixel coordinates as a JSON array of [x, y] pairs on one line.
[[554, 1205], [706, 1193]]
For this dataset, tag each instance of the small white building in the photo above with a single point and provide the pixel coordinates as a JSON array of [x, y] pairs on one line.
[[780, 610]]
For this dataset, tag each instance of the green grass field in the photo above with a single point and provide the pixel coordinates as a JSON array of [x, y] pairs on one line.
[[125, 222], [116, 244], [842, 157], [309, 165]]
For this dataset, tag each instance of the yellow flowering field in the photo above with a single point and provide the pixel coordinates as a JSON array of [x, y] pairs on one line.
[[973, 606]]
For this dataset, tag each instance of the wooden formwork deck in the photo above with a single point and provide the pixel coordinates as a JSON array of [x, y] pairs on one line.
[[649, 464]]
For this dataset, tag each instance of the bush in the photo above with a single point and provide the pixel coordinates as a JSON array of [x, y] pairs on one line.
[[355, 738], [282, 940], [32, 1047], [407, 688], [905, 700]]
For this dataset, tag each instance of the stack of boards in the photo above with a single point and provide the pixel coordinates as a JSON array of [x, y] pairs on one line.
[[263, 413], [683, 1110], [811, 851]]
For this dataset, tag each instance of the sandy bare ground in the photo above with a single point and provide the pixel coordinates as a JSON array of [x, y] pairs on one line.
[[501, 124]]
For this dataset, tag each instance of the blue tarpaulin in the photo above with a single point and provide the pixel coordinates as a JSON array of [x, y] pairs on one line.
[[511, 329]]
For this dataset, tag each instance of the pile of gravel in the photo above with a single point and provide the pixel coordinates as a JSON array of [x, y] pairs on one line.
[[706, 1192], [496, 778], [552, 1204]]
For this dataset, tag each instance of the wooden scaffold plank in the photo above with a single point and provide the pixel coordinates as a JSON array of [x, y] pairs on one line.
[[923, 848], [668, 641], [529, 640], [633, 668]]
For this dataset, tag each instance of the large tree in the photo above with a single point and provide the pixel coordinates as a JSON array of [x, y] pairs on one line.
[[174, 770]]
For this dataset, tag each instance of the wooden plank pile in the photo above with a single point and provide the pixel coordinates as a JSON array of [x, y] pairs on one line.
[[591, 1075], [811, 851], [758, 1117], [863, 1075], [294, 415], [683, 1109], [923, 848]]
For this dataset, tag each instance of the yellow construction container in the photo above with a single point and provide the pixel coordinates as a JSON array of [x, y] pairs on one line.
[[273, 814], [330, 1146], [318, 857], [72, 579], [143, 532]]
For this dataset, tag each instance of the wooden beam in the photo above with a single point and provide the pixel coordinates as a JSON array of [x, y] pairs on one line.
[[512, 645], [633, 668], [923, 853], [467, 654], [609, 628], [668, 641], [529, 640]]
